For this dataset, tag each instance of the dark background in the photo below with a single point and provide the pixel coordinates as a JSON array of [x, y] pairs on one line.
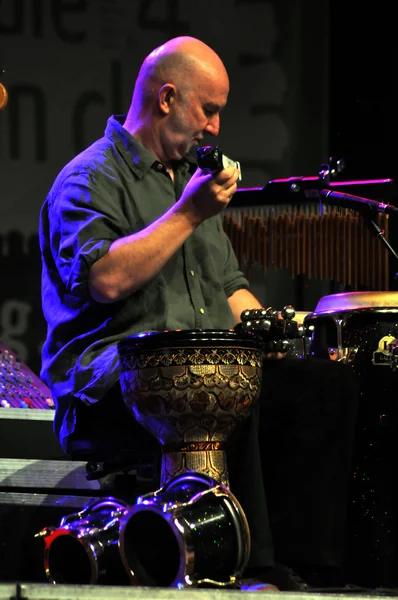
[[363, 88]]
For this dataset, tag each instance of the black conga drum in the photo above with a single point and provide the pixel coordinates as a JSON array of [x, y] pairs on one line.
[[361, 330]]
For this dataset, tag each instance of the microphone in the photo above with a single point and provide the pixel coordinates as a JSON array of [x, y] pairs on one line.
[[356, 202]]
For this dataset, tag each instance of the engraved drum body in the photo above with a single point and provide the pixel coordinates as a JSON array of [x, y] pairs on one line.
[[191, 389]]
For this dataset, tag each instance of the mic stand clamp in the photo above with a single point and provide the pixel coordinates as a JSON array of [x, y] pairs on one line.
[[331, 170]]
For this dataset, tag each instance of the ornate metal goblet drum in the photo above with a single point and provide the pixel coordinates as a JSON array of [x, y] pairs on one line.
[[191, 389]]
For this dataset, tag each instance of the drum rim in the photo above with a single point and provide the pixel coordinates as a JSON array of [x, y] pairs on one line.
[[352, 311], [183, 338], [344, 301]]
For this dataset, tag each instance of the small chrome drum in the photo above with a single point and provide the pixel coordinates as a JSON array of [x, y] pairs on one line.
[[190, 389], [361, 330], [83, 549], [190, 533]]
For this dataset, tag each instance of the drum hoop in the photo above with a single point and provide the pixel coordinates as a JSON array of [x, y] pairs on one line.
[[82, 540], [191, 338], [350, 311]]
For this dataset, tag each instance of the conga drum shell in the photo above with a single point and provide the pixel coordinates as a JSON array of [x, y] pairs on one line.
[[190, 389], [361, 330], [343, 324]]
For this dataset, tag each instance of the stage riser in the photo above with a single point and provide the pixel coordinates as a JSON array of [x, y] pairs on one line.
[[21, 555], [72, 592], [28, 433]]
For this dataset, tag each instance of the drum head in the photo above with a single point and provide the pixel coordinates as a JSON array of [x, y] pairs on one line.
[[351, 301]]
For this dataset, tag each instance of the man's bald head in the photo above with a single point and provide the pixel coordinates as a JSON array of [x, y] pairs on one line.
[[184, 62], [180, 91]]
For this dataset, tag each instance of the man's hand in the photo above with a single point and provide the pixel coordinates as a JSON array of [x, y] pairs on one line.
[[239, 302], [207, 194]]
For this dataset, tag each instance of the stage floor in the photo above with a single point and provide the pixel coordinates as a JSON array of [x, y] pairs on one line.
[[33, 591]]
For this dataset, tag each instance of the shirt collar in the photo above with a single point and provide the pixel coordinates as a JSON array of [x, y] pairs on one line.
[[137, 156]]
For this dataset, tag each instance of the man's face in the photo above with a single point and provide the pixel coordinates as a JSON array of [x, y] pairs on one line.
[[194, 115]]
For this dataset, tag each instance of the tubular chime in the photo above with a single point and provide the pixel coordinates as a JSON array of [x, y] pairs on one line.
[[335, 245]]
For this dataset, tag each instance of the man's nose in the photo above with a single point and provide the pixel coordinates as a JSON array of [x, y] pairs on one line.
[[213, 125]]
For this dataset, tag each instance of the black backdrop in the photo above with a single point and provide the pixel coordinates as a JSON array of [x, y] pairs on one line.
[[363, 96]]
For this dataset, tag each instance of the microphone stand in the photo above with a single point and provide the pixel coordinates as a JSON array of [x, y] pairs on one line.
[[368, 213]]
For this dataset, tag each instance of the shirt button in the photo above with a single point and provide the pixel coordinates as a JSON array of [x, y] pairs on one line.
[[202, 310], [192, 273]]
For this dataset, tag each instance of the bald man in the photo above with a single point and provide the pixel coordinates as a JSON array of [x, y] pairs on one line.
[[132, 240]]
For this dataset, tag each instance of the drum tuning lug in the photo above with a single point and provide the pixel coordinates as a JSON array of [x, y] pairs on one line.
[[248, 315], [285, 346], [253, 314], [269, 347], [245, 315], [264, 325], [271, 313], [288, 312], [281, 346], [256, 314], [394, 358], [291, 329]]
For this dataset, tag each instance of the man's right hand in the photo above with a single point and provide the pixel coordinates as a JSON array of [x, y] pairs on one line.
[[207, 194]]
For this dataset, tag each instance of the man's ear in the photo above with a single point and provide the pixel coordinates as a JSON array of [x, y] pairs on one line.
[[166, 97]]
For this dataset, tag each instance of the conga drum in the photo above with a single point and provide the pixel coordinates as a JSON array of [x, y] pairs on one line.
[[361, 330], [191, 389]]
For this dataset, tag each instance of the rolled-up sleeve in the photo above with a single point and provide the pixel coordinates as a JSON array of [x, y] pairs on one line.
[[233, 278], [85, 218]]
